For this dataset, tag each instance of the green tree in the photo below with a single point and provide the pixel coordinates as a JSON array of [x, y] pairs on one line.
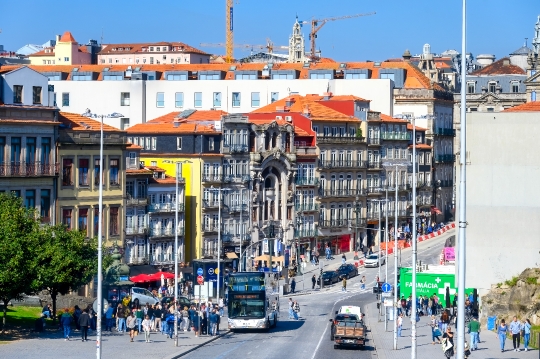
[[66, 260], [18, 238]]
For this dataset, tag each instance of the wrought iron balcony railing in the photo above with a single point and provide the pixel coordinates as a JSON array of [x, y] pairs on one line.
[[165, 207], [307, 207], [387, 135], [33, 169], [306, 181], [342, 164]]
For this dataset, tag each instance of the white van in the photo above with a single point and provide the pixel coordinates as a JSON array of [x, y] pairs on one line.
[[143, 296]]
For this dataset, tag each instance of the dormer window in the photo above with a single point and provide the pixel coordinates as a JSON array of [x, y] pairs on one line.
[[162, 175], [492, 86], [151, 48], [471, 87]]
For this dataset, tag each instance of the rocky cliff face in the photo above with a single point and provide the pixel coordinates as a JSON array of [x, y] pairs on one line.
[[519, 296]]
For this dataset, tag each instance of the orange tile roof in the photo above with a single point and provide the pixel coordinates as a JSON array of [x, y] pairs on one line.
[[155, 168], [414, 77], [76, 122], [134, 147], [132, 48], [166, 180], [499, 68], [198, 115], [43, 52], [138, 171], [386, 118], [526, 107], [67, 37], [421, 129]]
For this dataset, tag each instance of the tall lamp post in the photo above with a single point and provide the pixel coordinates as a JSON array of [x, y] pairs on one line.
[[220, 199], [178, 176], [89, 114], [357, 210]]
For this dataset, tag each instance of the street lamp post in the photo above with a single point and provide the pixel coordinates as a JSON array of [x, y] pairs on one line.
[[220, 199], [414, 250], [357, 210]]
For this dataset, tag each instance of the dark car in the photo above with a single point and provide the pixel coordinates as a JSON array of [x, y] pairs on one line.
[[347, 271], [182, 301], [329, 277]]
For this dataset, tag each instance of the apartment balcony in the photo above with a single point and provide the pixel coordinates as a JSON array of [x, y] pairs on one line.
[[301, 233], [339, 140], [376, 141], [226, 237], [237, 208], [165, 232], [130, 201], [212, 179], [236, 178], [337, 223], [307, 207], [137, 261], [447, 183], [374, 165], [165, 207], [428, 184], [374, 190], [235, 148], [424, 201], [34, 169], [164, 258], [305, 150], [136, 230], [388, 135], [306, 181], [341, 164], [445, 132], [445, 158], [374, 215], [210, 229], [403, 213], [209, 204], [343, 192]]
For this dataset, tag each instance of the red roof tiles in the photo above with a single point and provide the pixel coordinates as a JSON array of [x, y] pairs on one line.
[[77, 122], [67, 37], [526, 107], [500, 67], [133, 48]]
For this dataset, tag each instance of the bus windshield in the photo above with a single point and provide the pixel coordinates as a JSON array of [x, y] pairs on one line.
[[247, 306]]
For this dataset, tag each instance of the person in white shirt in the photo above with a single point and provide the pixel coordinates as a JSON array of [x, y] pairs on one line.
[[147, 326]]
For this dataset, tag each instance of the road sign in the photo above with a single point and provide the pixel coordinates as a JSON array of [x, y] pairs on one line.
[[200, 271], [386, 287], [200, 279], [388, 303], [210, 271], [387, 294]]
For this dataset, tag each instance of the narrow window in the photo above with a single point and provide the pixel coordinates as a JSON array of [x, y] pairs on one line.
[[83, 220], [66, 218], [179, 99], [65, 99], [197, 101], [17, 93], [36, 95], [83, 172], [160, 99], [67, 172], [124, 98], [114, 180], [113, 221]]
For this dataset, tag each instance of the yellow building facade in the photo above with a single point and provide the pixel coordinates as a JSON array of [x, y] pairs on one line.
[[66, 52]]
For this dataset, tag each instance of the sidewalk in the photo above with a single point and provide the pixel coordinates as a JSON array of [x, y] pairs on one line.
[[384, 341], [114, 345]]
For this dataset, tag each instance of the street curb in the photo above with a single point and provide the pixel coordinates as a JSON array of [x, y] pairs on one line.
[[175, 356]]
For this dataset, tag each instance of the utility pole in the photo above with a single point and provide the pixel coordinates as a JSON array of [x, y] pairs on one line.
[[395, 261], [386, 257], [414, 253], [241, 225], [462, 194]]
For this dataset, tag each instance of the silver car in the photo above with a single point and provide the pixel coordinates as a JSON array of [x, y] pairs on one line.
[[373, 261], [143, 296]]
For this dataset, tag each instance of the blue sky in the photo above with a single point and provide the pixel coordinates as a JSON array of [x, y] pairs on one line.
[[495, 26]]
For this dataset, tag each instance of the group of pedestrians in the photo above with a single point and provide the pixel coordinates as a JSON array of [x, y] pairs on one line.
[[82, 322], [517, 329], [294, 309]]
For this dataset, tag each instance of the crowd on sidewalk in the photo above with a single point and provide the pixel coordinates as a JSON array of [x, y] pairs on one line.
[[201, 319]]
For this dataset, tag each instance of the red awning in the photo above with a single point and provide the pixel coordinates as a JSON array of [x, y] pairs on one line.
[[435, 210], [157, 276], [141, 278]]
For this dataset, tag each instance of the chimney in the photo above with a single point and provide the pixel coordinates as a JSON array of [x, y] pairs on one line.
[[176, 123], [407, 55], [306, 111], [57, 38], [506, 62]]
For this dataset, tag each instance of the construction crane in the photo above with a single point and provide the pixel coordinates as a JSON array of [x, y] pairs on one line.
[[269, 46], [317, 24], [229, 39]]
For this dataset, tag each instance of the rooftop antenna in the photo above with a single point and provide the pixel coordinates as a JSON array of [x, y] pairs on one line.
[[101, 36], [525, 39]]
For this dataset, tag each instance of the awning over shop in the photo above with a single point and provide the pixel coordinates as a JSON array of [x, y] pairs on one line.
[[266, 257], [231, 255]]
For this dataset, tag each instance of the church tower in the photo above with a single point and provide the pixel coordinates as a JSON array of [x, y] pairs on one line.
[[536, 39], [296, 44], [427, 64]]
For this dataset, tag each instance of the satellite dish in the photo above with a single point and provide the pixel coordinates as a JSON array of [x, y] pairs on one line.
[[105, 305]]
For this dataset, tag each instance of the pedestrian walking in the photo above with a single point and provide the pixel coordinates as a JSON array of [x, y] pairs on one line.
[[221, 305], [296, 309], [157, 318], [526, 325], [109, 319], [344, 284], [293, 285], [448, 343], [131, 323], [66, 319], [515, 329], [169, 319], [147, 327], [343, 258], [291, 303], [76, 314], [445, 320], [501, 332], [84, 323], [435, 331], [313, 282], [213, 319], [185, 319], [363, 282], [474, 329], [399, 324], [120, 314]]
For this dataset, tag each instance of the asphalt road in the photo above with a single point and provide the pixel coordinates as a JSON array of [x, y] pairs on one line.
[[309, 338]]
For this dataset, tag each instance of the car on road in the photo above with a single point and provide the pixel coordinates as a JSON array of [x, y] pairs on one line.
[[347, 271], [142, 296], [182, 301], [373, 260], [329, 277]]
